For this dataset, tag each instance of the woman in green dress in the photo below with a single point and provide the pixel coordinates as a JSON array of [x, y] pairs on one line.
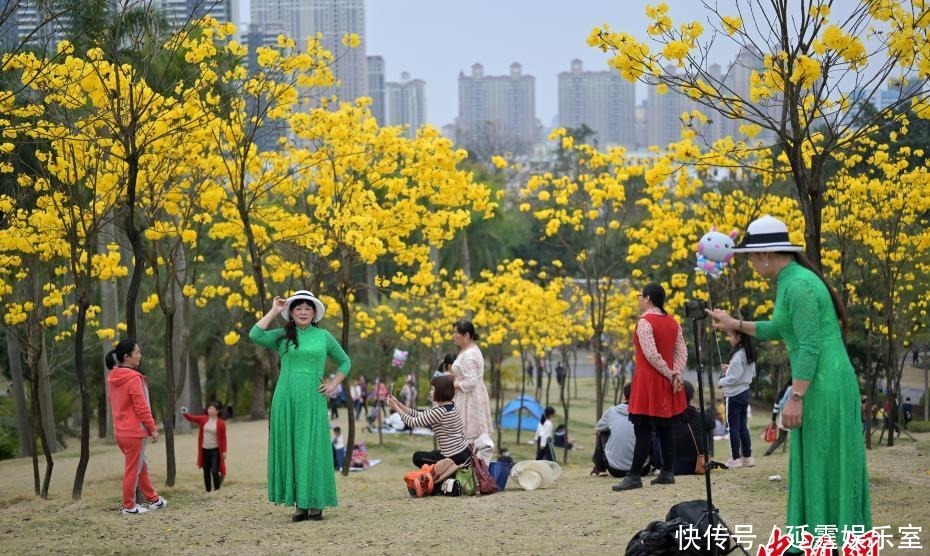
[[828, 484], [300, 456]]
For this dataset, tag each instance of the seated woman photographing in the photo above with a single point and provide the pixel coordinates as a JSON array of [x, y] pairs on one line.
[[445, 420]]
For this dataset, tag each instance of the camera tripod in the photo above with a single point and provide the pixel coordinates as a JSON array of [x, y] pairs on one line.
[[694, 310]]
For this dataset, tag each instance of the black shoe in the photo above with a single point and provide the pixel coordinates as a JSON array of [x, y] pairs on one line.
[[630, 482], [301, 515], [664, 478], [315, 515]]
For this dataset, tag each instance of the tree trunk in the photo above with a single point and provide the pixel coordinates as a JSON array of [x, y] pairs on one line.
[[83, 302], [46, 450], [194, 394], [350, 436], [371, 272], [522, 394], [182, 318], [109, 318], [23, 418], [598, 373], [134, 234], [260, 372], [37, 360], [870, 384], [496, 360], [466, 255], [926, 394], [170, 404], [45, 390]]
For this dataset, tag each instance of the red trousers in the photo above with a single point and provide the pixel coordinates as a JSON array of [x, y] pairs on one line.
[[135, 472]]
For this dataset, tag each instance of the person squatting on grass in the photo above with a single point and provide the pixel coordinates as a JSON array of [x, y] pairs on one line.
[[445, 420], [132, 424]]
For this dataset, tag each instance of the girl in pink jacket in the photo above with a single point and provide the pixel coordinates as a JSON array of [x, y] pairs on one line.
[[132, 423]]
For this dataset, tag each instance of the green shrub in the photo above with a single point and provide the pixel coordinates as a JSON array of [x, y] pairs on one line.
[[9, 438]]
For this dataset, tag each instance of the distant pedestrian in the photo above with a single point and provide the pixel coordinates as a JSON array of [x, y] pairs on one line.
[[908, 411], [211, 444], [544, 436]]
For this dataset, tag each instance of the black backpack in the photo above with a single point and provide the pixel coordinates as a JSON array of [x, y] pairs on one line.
[[693, 523], [659, 538]]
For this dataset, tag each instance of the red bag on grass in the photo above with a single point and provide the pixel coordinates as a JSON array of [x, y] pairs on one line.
[[487, 484], [771, 433]]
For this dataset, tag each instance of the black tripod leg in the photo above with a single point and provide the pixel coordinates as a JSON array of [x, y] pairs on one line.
[[713, 519]]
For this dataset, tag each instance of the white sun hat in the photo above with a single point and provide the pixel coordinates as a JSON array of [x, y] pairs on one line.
[[766, 234], [304, 294], [533, 474]]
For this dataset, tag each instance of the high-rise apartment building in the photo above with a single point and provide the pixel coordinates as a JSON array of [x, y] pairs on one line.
[[405, 103], [497, 113], [40, 23], [602, 100], [663, 116], [376, 87], [738, 83], [182, 12], [30, 22], [333, 19]]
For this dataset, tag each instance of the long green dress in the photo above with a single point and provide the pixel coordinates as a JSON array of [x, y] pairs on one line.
[[828, 483], [300, 453]]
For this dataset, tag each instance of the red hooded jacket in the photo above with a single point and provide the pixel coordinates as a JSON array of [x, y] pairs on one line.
[[201, 420], [129, 399]]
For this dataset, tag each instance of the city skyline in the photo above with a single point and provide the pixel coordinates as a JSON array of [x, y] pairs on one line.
[[543, 36]]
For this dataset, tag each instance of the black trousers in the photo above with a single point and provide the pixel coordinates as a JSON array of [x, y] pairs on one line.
[[431, 457], [211, 468], [643, 447]]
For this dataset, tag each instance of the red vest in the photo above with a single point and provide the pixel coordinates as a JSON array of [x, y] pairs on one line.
[[651, 393]]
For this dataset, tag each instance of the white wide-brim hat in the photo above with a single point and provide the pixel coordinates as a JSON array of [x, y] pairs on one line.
[[304, 294], [766, 234], [533, 474]]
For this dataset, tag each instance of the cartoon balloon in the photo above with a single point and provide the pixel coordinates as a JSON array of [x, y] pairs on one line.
[[714, 251], [400, 357]]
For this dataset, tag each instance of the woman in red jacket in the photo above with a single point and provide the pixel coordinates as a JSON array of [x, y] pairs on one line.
[[132, 423], [657, 399], [211, 445]]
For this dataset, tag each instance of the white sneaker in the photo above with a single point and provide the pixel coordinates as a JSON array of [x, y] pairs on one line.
[[733, 463], [136, 510], [749, 462], [158, 504]]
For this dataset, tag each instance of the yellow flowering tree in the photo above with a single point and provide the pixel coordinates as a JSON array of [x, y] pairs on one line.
[[809, 73], [879, 204], [31, 245], [584, 207], [370, 194], [260, 165], [106, 135], [518, 307], [178, 217]]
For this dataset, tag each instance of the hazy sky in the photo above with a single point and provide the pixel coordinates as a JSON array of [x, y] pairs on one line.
[[436, 39]]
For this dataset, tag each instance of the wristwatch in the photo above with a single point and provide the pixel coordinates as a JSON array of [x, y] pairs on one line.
[[797, 396]]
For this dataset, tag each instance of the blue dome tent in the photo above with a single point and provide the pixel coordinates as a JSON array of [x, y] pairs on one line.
[[510, 414]]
